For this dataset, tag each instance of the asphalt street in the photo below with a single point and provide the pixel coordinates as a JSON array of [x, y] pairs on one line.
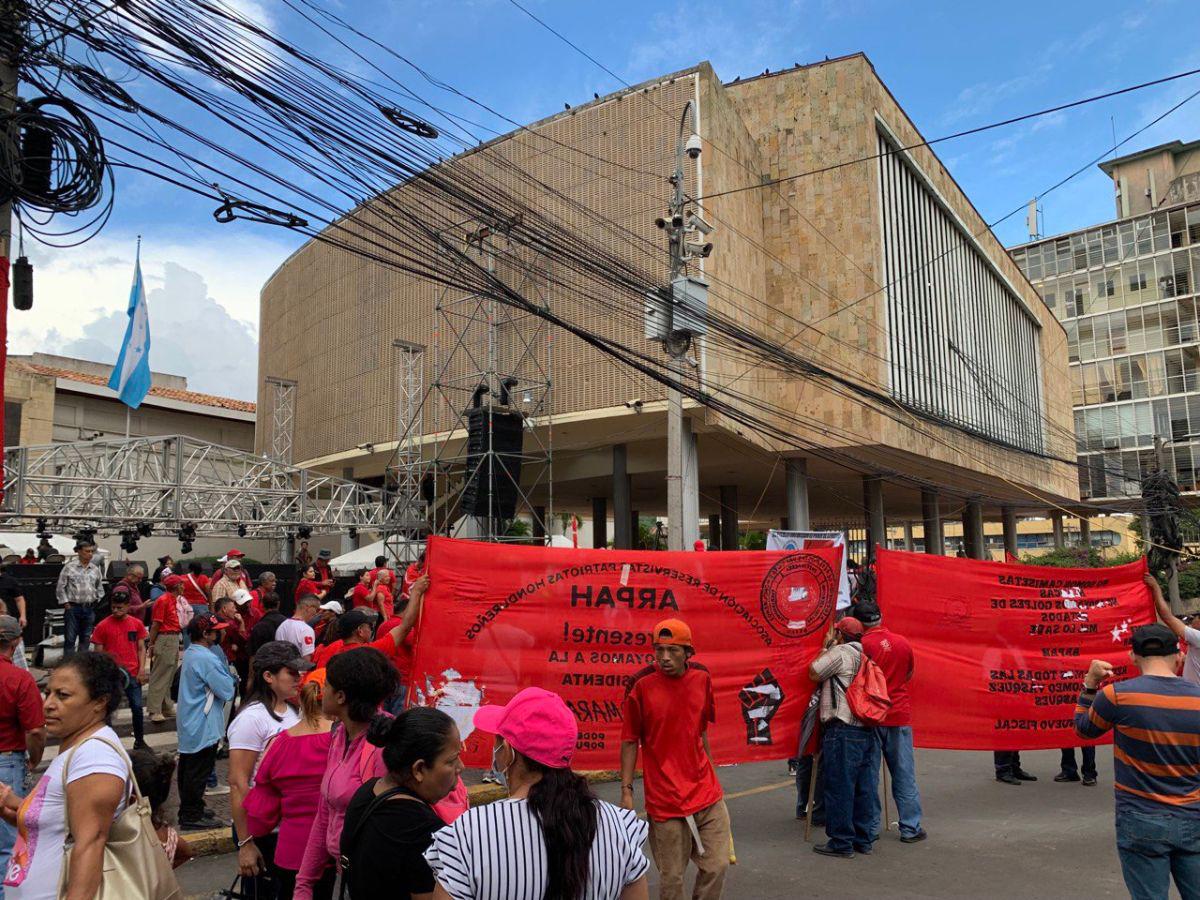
[[986, 840]]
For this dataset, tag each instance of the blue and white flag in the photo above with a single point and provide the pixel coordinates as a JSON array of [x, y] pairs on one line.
[[131, 375]]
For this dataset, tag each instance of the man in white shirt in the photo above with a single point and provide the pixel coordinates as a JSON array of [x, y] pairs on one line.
[[296, 630]]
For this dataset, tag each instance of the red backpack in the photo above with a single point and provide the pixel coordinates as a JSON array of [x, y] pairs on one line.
[[867, 694]]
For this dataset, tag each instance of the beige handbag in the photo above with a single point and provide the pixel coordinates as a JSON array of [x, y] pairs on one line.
[[135, 864]]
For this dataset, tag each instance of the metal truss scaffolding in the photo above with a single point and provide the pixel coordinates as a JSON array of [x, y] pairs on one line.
[[283, 419], [490, 367], [174, 481]]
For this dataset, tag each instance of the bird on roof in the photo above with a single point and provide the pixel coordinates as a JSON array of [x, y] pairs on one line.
[[766, 71], [595, 96], [566, 106], [736, 80]]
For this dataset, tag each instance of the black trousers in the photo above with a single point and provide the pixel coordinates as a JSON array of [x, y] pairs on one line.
[[193, 776], [1007, 762], [1089, 761]]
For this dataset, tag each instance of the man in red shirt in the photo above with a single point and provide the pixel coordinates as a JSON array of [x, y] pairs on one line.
[[165, 634], [122, 636], [668, 707], [22, 729], [355, 627], [893, 654]]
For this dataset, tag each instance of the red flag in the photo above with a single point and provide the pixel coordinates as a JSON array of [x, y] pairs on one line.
[[1010, 559], [1001, 650], [578, 622]]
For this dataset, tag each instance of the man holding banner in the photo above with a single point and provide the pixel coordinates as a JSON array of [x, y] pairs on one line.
[[667, 710]]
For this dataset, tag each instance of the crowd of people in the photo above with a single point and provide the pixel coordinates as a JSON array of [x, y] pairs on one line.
[[331, 777]]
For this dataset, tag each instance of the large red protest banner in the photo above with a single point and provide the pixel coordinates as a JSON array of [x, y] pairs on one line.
[[499, 618], [1001, 649]]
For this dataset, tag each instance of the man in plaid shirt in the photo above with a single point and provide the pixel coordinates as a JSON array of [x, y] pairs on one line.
[[80, 588]]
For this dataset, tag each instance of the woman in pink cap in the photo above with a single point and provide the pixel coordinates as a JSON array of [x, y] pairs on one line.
[[551, 838]]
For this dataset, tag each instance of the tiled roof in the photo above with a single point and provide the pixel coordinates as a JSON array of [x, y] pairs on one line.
[[165, 393]]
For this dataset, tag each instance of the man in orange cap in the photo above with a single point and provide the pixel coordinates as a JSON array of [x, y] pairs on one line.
[[668, 707]]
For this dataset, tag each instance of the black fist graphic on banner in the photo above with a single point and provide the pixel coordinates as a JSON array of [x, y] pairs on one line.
[[760, 700]]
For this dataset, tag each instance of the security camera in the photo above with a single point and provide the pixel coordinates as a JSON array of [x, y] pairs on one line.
[[693, 146], [634, 404], [676, 221], [701, 250], [697, 221], [660, 222]]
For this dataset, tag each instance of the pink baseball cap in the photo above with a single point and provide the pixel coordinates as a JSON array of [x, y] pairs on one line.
[[537, 723]]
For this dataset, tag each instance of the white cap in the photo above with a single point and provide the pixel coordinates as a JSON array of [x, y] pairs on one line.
[[333, 605], [233, 563], [223, 559], [240, 596]]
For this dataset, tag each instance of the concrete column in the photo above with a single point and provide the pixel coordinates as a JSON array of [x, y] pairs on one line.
[[729, 517], [623, 536], [1010, 530], [1056, 520], [908, 536], [539, 524], [599, 522], [931, 515], [876, 524], [714, 532], [691, 487], [633, 528], [1085, 532], [972, 519], [797, 494]]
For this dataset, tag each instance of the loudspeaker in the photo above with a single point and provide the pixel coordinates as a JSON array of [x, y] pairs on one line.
[[501, 468]]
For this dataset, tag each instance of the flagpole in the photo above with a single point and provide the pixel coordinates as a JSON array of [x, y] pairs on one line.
[[127, 423]]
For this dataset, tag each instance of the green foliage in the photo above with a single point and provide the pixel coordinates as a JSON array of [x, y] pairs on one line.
[[646, 535], [518, 528], [1079, 558], [753, 540]]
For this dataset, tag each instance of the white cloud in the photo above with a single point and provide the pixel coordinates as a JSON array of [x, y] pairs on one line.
[[203, 300]]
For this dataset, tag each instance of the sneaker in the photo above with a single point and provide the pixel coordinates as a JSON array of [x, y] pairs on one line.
[[139, 744], [825, 850], [1089, 781], [216, 791], [158, 718], [1064, 777], [913, 838]]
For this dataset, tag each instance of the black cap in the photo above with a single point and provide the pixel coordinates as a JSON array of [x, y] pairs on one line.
[[352, 620], [1155, 640], [867, 613], [279, 655]]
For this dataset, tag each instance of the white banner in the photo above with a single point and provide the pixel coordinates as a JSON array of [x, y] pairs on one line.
[[803, 540]]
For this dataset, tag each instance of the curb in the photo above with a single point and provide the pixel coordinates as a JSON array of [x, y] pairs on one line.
[[217, 841]]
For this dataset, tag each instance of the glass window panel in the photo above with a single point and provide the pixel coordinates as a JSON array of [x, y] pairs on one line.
[[1091, 391], [1152, 326], [1185, 473], [1137, 376], [1123, 388], [1094, 435], [1193, 224], [1135, 335], [1185, 309], [1108, 237], [1191, 368], [1072, 341], [1162, 238], [1156, 372], [1129, 463], [1126, 231], [1080, 434], [1104, 375], [1077, 398], [1127, 425], [1174, 360], [1145, 424], [1162, 419], [1116, 332], [1087, 334], [1193, 403], [1169, 317], [1078, 252], [1179, 419], [1110, 423], [1183, 279]]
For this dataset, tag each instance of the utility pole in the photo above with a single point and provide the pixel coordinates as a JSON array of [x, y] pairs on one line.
[[1166, 463], [12, 22], [679, 339]]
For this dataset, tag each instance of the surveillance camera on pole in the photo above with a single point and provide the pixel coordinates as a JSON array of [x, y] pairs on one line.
[[697, 222], [693, 147]]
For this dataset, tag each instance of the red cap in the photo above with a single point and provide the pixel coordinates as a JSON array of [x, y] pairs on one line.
[[235, 554], [537, 724], [849, 625], [672, 631], [172, 581], [698, 546], [208, 623]]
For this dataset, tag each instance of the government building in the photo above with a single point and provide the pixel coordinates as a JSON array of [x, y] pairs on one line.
[[829, 239]]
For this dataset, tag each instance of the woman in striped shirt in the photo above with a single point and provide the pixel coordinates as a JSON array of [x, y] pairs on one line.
[[551, 839]]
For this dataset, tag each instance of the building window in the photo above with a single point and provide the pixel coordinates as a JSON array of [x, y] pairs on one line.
[[12, 423], [963, 346], [1137, 281]]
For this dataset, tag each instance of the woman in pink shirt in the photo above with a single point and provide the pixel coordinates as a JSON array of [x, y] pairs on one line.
[[287, 791], [356, 683]]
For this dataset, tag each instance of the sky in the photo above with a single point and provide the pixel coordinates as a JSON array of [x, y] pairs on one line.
[[951, 66]]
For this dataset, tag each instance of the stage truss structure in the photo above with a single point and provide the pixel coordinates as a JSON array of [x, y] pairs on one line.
[[173, 481], [488, 354]]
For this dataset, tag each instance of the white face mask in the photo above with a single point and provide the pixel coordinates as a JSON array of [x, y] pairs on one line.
[[501, 774]]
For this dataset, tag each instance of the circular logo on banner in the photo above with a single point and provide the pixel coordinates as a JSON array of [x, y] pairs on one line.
[[798, 594]]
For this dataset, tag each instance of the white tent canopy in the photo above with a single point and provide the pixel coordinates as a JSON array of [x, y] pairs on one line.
[[362, 558], [19, 541]]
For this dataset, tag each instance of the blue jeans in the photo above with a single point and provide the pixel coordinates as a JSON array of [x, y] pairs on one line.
[[12, 773], [133, 693], [1156, 846], [896, 745], [850, 758], [78, 621], [1069, 767]]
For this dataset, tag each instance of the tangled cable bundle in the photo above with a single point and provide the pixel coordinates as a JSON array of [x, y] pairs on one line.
[[1160, 495]]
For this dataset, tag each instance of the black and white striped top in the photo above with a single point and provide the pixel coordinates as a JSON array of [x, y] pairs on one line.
[[496, 852]]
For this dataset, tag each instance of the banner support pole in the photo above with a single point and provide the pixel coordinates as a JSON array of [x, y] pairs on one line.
[[812, 795]]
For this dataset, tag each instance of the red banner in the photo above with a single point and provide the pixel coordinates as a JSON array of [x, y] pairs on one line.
[[1001, 649], [499, 618]]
